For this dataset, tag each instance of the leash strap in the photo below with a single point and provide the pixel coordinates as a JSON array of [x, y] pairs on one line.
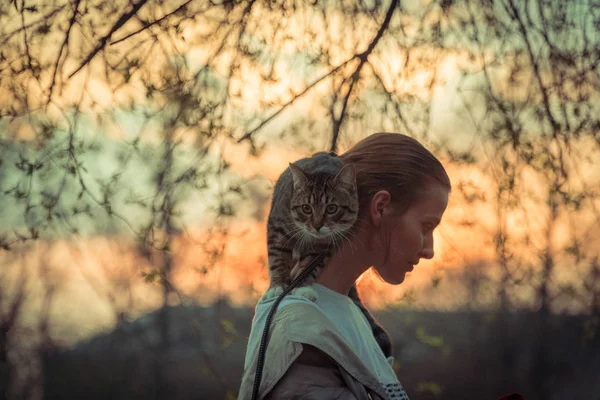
[[265, 336]]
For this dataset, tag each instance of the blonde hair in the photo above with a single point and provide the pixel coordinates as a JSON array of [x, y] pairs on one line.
[[396, 163]]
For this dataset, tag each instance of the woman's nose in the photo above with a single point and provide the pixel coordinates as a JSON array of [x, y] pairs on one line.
[[427, 253], [427, 250]]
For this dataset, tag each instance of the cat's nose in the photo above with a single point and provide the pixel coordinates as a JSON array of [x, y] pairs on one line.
[[318, 227]]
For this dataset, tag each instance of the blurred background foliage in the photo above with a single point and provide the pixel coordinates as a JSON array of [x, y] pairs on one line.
[[140, 140]]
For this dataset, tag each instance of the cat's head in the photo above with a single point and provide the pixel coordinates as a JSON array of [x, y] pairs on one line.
[[324, 205]]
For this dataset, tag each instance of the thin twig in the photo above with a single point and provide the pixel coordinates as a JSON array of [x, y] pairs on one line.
[[536, 70], [148, 25], [64, 44], [388, 94], [286, 105], [25, 40], [45, 18]]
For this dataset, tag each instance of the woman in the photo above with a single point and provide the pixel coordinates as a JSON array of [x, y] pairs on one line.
[[320, 345]]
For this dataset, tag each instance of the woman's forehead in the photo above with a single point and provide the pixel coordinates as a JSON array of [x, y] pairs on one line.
[[432, 202]]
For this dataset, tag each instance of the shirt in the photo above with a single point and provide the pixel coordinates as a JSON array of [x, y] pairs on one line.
[[346, 316]]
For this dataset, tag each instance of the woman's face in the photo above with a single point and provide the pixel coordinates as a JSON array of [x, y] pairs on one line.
[[406, 238]]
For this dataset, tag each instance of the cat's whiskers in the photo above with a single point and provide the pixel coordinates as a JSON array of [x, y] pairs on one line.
[[344, 235], [343, 239], [296, 232], [333, 237], [355, 236], [305, 238]]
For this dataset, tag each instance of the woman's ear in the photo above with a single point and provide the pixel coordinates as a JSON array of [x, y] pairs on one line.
[[379, 205]]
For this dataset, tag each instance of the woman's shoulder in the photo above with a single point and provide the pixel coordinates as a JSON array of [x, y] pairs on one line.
[[301, 294], [304, 339], [301, 312], [297, 319]]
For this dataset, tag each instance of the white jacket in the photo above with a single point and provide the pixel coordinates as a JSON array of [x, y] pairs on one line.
[[308, 358]]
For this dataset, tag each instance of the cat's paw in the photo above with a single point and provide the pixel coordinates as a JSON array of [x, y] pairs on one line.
[[301, 265], [307, 292]]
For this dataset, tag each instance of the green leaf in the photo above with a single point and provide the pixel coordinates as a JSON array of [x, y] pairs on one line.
[[429, 387]]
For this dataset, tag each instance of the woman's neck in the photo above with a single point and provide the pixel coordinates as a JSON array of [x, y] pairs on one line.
[[345, 266]]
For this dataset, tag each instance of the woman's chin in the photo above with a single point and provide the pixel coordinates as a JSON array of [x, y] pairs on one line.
[[395, 278]]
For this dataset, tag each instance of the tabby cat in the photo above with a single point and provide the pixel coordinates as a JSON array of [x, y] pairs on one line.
[[314, 208]]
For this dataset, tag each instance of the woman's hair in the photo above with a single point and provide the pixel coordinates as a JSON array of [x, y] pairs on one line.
[[396, 163]]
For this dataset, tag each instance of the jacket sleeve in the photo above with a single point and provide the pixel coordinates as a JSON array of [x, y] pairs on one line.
[[312, 376]]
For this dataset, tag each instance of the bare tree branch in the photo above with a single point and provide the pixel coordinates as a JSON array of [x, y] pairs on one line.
[[25, 39], [536, 69], [399, 112], [102, 43], [45, 18], [62, 47], [388, 17], [363, 58], [337, 122], [356, 75], [286, 105], [148, 25]]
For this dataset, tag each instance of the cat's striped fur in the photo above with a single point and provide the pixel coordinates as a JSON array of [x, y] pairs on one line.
[[314, 208]]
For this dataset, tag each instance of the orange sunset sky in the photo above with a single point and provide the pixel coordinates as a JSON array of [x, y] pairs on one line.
[[100, 275]]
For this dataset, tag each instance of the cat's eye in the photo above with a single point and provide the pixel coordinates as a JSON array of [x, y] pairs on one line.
[[331, 208], [306, 209]]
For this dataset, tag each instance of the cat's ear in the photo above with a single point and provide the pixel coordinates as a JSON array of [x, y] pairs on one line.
[[299, 177], [346, 177]]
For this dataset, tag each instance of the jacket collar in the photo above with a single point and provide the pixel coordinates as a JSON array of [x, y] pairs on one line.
[[305, 323]]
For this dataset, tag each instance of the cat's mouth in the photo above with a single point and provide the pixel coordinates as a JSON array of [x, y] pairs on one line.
[[320, 234], [325, 232]]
